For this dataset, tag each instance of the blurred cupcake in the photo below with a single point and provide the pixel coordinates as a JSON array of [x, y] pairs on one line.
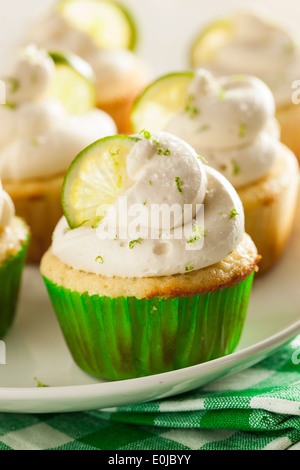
[[103, 34], [137, 294], [39, 137], [14, 238], [257, 44], [230, 122]]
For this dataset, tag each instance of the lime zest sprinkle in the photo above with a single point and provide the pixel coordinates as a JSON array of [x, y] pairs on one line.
[[236, 168], [35, 142], [189, 267], [116, 238], [135, 242], [99, 260], [233, 213], [220, 213], [190, 108], [239, 77], [203, 159], [204, 128], [97, 222], [177, 180], [242, 130], [40, 384], [146, 134], [14, 84], [161, 151], [290, 46], [221, 94], [200, 233], [150, 182], [156, 142]]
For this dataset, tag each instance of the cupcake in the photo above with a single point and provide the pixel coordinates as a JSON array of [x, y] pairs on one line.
[[230, 122], [103, 34], [39, 137], [256, 44], [158, 275], [14, 239]]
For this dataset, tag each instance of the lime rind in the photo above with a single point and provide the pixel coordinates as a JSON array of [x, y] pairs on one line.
[[95, 179], [209, 40], [109, 23], [157, 104]]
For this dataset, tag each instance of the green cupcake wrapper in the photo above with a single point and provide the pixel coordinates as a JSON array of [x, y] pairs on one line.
[[122, 338], [10, 280]]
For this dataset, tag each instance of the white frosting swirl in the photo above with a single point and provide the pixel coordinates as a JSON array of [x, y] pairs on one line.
[[113, 68], [230, 121], [82, 247], [38, 138], [258, 45], [7, 209]]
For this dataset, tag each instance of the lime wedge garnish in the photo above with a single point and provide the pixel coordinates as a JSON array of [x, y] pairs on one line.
[[95, 179], [210, 40], [73, 84], [108, 23], [160, 101]]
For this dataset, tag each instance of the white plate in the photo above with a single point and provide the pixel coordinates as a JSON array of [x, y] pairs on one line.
[[36, 348]]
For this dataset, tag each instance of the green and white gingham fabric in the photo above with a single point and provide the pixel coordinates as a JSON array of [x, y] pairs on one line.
[[253, 410]]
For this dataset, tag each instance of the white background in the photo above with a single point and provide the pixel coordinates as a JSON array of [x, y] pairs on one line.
[[166, 27]]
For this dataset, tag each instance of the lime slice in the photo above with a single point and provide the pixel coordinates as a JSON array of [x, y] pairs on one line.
[[210, 40], [160, 101], [108, 23], [95, 179], [73, 84]]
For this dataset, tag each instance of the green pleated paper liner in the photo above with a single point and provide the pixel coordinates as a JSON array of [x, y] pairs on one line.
[[122, 338], [10, 280]]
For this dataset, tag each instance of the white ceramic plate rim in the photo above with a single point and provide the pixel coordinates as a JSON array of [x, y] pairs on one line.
[[97, 390]]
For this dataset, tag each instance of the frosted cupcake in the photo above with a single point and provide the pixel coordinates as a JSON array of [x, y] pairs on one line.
[[101, 33], [14, 238], [230, 122], [39, 138], [135, 298], [257, 44]]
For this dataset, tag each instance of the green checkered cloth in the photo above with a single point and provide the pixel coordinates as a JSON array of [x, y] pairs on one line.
[[253, 410]]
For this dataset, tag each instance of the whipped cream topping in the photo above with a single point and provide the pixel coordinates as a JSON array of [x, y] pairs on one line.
[[230, 121], [260, 46], [7, 209], [161, 170], [113, 68], [38, 138]]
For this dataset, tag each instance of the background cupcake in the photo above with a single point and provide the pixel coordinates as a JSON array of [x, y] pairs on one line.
[[230, 122], [148, 298], [256, 44], [40, 135], [102, 33], [14, 239]]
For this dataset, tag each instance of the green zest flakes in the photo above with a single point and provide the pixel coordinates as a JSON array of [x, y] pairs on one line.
[[189, 267], [150, 182], [135, 242], [203, 159], [203, 128], [235, 168], [242, 130], [233, 213], [40, 384], [146, 134], [199, 234], [190, 108], [99, 260], [178, 184], [161, 151]]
